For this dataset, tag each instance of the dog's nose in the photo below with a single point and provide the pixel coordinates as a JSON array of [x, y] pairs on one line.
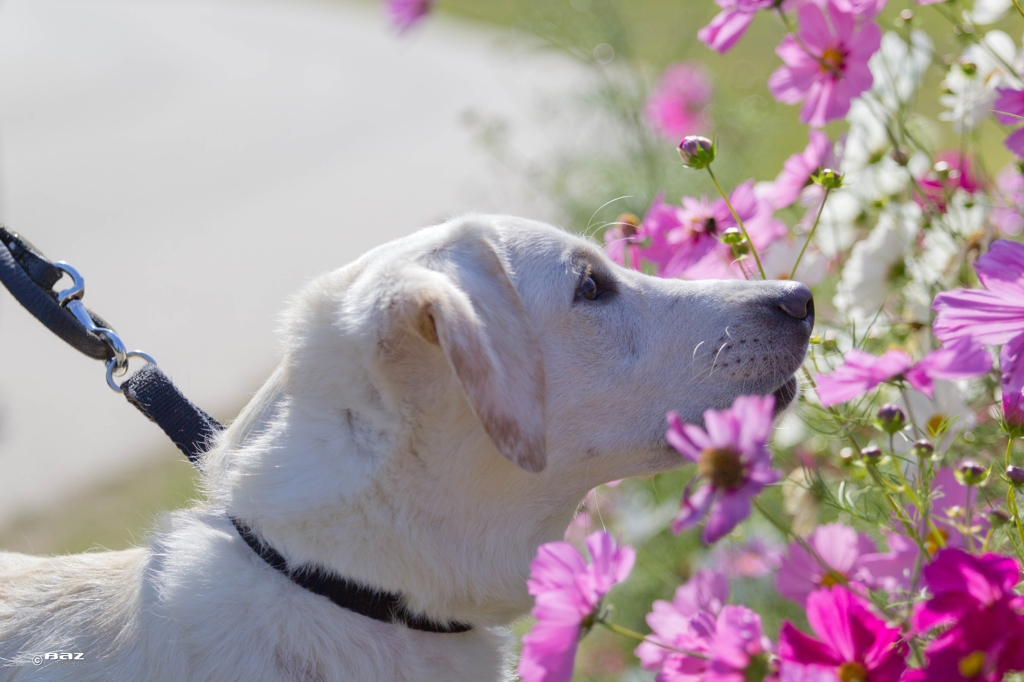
[[797, 301]]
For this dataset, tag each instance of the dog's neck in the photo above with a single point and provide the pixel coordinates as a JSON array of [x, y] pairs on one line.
[[434, 514]]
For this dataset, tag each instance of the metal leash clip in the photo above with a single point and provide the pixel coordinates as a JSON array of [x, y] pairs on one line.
[[71, 299]]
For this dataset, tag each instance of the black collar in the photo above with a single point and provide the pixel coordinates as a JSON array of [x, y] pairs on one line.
[[366, 601]]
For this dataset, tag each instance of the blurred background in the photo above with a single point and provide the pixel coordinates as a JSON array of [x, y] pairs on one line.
[[199, 160]]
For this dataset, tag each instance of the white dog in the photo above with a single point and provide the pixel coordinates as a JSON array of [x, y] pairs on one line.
[[443, 405]]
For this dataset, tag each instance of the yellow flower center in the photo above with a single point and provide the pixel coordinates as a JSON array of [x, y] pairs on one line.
[[971, 664], [832, 60], [936, 540], [833, 578], [722, 467], [936, 424], [852, 672]]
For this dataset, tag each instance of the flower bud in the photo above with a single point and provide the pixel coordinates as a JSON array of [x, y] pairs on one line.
[[891, 418], [1015, 475], [969, 68], [828, 178], [998, 518], [971, 472], [871, 454], [1013, 413], [922, 449], [733, 236], [696, 152]]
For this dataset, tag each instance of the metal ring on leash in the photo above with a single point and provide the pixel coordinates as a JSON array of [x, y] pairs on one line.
[[71, 298], [112, 365]]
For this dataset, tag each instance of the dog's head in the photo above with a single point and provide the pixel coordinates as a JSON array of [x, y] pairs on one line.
[[490, 369]]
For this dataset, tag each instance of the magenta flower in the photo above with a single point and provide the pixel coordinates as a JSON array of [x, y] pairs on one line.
[[853, 642], [1009, 109], [975, 596], [687, 622], [862, 372], [567, 592], [732, 460], [798, 169], [728, 25], [859, 374], [674, 109], [1008, 210], [994, 315], [646, 241], [955, 174], [405, 14], [828, 66], [841, 549], [960, 583]]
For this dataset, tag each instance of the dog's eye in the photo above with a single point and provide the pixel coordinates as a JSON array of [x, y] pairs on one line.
[[588, 289]]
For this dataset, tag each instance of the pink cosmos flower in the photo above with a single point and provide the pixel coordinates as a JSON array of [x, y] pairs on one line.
[[836, 69], [566, 592], [687, 622], [1009, 108], [730, 648], [862, 9], [862, 371], [842, 550], [961, 359], [994, 315], [853, 642], [739, 651], [729, 25], [674, 108], [763, 227], [975, 595], [1008, 211], [956, 174], [405, 14], [798, 169], [674, 238], [733, 463], [751, 559]]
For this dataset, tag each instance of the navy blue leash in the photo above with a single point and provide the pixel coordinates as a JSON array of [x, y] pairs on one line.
[[30, 277]]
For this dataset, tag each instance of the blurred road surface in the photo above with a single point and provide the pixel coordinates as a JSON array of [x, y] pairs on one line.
[[197, 161]]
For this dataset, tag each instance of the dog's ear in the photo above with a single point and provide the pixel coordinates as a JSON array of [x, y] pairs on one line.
[[476, 317]]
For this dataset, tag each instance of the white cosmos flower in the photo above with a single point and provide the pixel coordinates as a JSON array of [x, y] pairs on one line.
[[970, 95], [989, 11], [947, 404], [865, 282], [898, 69]]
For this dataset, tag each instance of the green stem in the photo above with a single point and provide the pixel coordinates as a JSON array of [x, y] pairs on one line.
[[968, 519], [810, 235], [739, 222], [1019, 10], [632, 634], [1011, 496]]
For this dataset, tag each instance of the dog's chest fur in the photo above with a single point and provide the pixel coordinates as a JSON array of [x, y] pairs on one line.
[[198, 605]]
